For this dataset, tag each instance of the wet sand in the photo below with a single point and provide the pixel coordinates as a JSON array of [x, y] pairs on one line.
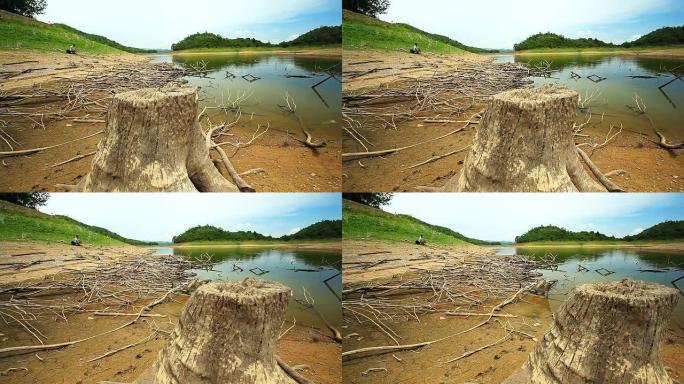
[[288, 164], [427, 365], [648, 167], [300, 346]]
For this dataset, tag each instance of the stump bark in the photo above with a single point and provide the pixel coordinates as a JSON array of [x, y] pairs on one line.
[[227, 333], [525, 144], [604, 333], [153, 143]]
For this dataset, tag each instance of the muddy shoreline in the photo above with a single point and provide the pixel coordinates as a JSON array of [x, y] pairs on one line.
[[429, 365], [647, 167], [301, 345], [287, 164]]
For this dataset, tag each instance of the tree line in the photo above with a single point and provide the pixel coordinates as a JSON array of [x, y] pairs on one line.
[[322, 230], [667, 230], [320, 36], [659, 37]]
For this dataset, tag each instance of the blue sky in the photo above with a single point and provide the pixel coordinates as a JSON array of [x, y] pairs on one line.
[[502, 216], [502, 23], [160, 216], [160, 23]]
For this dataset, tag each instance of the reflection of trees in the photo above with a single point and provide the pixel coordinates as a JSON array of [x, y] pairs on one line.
[[654, 259], [221, 62], [308, 257], [651, 65]]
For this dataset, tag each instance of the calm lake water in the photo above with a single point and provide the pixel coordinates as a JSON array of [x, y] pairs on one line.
[[281, 265], [665, 107], [625, 263], [319, 108]]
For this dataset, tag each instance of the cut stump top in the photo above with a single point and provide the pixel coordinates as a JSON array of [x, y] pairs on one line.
[[534, 97], [631, 291], [154, 95], [245, 291]]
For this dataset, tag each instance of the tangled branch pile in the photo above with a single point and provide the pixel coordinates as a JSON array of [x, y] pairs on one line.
[[437, 98], [118, 288]]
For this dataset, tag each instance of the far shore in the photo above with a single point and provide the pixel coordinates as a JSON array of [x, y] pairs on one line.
[[331, 245], [330, 51], [674, 246], [677, 51]]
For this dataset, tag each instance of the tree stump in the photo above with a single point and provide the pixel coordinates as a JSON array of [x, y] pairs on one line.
[[604, 333], [153, 143], [227, 333], [525, 144]]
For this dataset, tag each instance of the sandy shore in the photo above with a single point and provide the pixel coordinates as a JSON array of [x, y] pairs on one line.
[[492, 365], [300, 346]]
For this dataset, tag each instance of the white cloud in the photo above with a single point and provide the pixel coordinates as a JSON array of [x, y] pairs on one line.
[[636, 231], [501, 216], [292, 37], [152, 23], [587, 33], [634, 37], [494, 23], [294, 230], [241, 33]]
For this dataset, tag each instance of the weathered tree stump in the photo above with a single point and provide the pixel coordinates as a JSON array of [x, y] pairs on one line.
[[604, 333], [227, 333], [153, 143], [525, 144]]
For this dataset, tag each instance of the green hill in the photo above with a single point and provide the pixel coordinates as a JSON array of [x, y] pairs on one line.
[[552, 40], [23, 33], [361, 222], [667, 230], [552, 233], [659, 37], [211, 233], [19, 223], [663, 37], [364, 32], [318, 36], [323, 230]]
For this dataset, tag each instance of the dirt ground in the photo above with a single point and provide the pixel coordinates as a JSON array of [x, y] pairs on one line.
[[288, 164], [428, 365], [303, 346], [648, 167]]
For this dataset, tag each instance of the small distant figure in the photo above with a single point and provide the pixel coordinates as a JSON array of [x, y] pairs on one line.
[[76, 241], [421, 240], [71, 50], [415, 49]]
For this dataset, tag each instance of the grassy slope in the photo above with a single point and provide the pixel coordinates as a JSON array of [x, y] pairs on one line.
[[360, 222], [22, 33], [18, 223], [363, 32]]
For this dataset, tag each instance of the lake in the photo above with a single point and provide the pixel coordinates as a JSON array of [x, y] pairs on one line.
[[615, 93], [298, 269], [658, 267], [265, 79]]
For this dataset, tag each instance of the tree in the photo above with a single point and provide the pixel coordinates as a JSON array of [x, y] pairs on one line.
[[367, 7], [375, 200], [28, 200], [28, 8]]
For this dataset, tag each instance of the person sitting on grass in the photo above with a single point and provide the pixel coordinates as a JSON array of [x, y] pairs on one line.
[[421, 240], [415, 49], [76, 241], [71, 50]]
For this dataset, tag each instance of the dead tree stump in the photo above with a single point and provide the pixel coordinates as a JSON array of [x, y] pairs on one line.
[[227, 333], [525, 144], [604, 333], [153, 143]]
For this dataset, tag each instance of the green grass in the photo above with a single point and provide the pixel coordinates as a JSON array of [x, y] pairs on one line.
[[24, 224], [360, 222], [598, 49], [255, 49], [24, 34], [363, 32]]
